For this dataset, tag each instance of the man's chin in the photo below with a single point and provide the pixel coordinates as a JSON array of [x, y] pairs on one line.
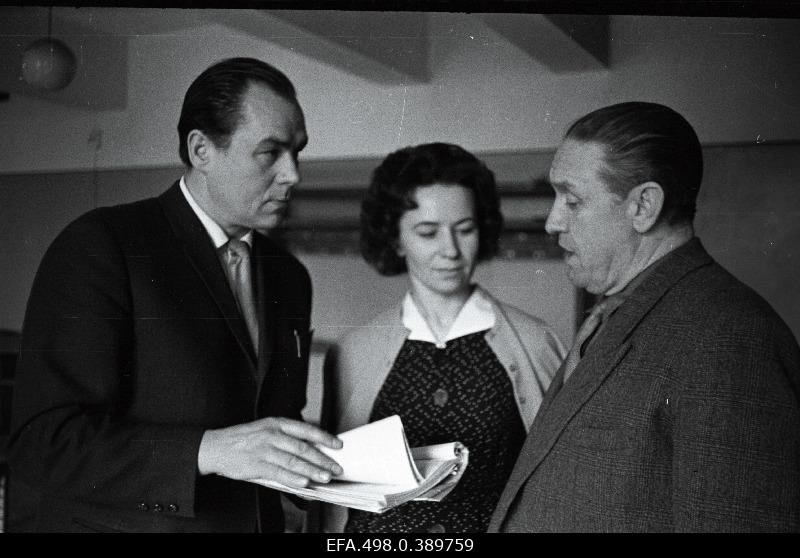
[[578, 280], [266, 224]]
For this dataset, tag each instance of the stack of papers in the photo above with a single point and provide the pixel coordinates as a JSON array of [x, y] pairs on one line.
[[381, 471]]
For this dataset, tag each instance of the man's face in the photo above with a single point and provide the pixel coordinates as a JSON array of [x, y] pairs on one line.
[[590, 221], [250, 181]]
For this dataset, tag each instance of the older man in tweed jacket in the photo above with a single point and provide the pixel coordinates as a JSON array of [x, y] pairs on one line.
[[677, 408]]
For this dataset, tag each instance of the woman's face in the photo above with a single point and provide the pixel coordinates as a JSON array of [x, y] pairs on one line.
[[439, 239]]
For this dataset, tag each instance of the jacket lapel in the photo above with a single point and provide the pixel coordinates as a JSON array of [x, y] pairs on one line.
[[264, 279], [563, 401], [200, 251], [504, 339], [560, 404]]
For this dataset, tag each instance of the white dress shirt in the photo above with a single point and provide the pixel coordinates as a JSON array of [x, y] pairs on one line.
[[476, 315], [215, 232]]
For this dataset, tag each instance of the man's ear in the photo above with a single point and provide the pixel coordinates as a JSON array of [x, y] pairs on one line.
[[644, 204], [200, 149]]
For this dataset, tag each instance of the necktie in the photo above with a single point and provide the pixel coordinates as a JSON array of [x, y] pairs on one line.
[[599, 313], [237, 257]]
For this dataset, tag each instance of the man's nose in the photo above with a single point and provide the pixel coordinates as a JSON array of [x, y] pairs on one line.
[[555, 219], [289, 171]]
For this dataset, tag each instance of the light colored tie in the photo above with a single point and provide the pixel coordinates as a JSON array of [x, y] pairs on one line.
[[599, 313], [237, 258]]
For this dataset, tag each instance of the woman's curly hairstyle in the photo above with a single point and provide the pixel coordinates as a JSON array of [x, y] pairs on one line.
[[391, 194]]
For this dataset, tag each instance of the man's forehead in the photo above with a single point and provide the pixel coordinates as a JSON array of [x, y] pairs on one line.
[[257, 89], [272, 118], [572, 151], [578, 156]]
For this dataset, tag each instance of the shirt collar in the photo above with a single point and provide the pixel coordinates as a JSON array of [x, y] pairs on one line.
[[617, 299], [215, 232], [477, 314]]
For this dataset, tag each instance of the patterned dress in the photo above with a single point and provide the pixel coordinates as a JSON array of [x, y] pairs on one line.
[[459, 393]]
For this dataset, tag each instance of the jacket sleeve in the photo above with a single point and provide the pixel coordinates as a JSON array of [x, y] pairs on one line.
[[332, 518], [736, 434], [71, 436], [330, 396]]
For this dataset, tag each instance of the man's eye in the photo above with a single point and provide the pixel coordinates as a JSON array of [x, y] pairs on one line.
[[426, 233], [571, 202], [467, 230], [269, 153]]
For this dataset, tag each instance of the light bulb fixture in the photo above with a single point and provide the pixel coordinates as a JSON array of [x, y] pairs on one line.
[[48, 64]]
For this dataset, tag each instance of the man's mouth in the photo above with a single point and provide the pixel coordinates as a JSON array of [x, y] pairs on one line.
[[281, 205], [568, 254]]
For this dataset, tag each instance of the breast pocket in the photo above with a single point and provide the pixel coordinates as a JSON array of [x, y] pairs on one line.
[[302, 344]]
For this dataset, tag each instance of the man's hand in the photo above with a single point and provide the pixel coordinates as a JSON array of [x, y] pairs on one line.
[[277, 449]]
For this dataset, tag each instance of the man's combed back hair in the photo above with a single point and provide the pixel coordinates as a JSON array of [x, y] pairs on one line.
[[647, 142], [391, 194], [213, 101]]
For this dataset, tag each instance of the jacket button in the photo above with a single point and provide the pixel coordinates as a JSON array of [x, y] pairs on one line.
[[522, 400], [438, 528], [143, 507], [173, 508], [158, 508], [513, 368]]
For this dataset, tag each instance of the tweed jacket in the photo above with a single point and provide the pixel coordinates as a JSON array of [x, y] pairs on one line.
[[132, 347], [683, 415], [357, 366]]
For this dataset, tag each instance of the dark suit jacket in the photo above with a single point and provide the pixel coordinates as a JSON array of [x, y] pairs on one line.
[[132, 347], [683, 415]]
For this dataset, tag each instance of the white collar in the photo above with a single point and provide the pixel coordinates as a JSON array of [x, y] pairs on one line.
[[477, 314], [217, 234]]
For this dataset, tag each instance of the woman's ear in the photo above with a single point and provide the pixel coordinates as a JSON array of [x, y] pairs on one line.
[[398, 249], [644, 205], [200, 149]]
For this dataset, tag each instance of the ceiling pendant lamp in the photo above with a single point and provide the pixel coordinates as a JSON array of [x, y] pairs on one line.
[[48, 64]]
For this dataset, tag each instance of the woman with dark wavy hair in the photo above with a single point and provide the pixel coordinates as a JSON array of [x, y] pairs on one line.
[[450, 359]]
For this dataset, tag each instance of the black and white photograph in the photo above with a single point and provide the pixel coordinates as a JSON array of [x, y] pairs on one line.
[[396, 275]]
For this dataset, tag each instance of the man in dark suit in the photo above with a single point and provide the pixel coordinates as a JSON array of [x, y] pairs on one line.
[[165, 345], [680, 411]]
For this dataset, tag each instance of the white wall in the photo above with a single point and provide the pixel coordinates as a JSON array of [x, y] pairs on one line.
[[736, 80]]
